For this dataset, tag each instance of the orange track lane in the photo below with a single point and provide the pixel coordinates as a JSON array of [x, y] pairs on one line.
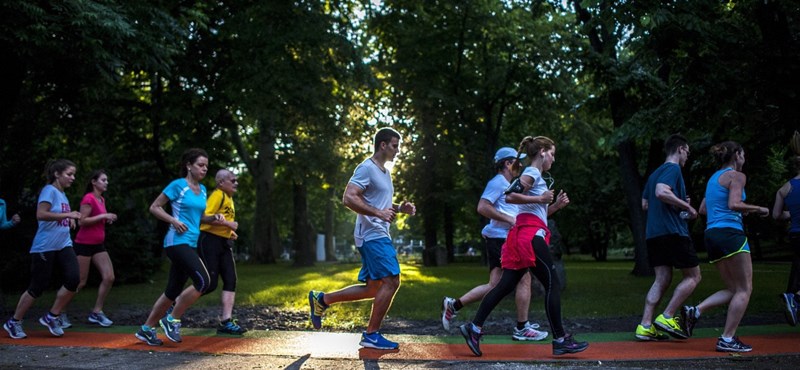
[[339, 345]]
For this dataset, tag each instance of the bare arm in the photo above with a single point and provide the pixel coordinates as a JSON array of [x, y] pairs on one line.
[[353, 198], [664, 193], [157, 209], [486, 209], [645, 204], [703, 210], [736, 183], [562, 200], [778, 212], [43, 213], [85, 220], [527, 182]]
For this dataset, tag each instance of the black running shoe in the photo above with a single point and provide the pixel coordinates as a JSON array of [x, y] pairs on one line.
[[688, 319], [569, 345], [733, 346], [473, 339]]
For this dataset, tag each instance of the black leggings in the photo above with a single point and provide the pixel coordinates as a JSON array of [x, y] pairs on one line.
[[43, 264], [218, 258], [794, 275], [185, 264], [545, 272]]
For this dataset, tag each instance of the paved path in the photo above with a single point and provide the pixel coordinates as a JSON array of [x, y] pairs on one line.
[[766, 341]]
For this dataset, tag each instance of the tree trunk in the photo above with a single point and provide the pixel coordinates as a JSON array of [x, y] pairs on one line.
[[303, 237], [633, 198], [265, 230], [330, 246]]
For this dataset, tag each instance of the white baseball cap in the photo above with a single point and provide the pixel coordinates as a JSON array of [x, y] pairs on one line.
[[506, 152]]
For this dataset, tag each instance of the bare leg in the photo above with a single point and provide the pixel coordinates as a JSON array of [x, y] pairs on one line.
[[227, 304], [62, 300], [522, 297], [691, 277], [103, 263], [184, 301], [158, 311], [383, 300], [477, 293], [354, 292], [737, 272], [660, 285], [25, 302], [84, 263]]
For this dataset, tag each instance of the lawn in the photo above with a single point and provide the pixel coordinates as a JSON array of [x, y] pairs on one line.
[[594, 289]]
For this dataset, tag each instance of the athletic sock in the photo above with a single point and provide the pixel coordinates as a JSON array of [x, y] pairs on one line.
[[666, 317], [458, 305], [696, 313], [521, 325], [51, 315], [475, 328], [727, 340], [145, 328]]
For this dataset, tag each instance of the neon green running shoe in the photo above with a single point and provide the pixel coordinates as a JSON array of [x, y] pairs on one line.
[[670, 326], [650, 334]]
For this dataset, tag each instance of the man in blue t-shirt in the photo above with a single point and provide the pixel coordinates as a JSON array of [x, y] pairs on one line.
[[668, 243], [369, 193]]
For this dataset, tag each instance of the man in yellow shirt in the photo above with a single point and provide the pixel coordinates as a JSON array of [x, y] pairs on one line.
[[216, 247]]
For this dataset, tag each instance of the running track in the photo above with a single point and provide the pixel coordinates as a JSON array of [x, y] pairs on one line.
[[345, 346]]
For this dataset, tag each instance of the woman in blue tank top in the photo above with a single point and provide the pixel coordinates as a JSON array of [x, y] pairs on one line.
[[726, 243], [787, 206]]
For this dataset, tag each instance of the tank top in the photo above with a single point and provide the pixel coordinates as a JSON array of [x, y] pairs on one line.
[[719, 215]]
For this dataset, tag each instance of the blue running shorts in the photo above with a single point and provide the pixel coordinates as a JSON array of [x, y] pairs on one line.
[[378, 260]]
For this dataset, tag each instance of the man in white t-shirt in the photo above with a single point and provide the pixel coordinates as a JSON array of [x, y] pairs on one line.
[[501, 215], [369, 193]]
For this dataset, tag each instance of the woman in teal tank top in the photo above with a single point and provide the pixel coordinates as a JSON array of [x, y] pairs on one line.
[[727, 244]]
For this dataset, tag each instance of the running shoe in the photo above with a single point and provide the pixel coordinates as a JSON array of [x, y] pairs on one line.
[[650, 334], [448, 312], [529, 332], [172, 329], [569, 345], [377, 341], [14, 329], [52, 324], [65, 323], [733, 346], [789, 308], [231, 327], [149, 337], [100, 318], [473, 339], [671, 326], [688, 319], [316, 307]]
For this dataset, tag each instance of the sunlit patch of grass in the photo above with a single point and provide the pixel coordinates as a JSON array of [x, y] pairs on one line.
[[594, 289]]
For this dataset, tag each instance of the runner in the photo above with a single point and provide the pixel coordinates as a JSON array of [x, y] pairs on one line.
[[216, 248], [526, 247], [51, 247], [369, 193], [727, 244], [187, 198], [787, 207], [668, 242], [493, 206], [90, 243]]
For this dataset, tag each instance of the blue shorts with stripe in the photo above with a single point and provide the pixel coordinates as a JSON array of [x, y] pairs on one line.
[[725, 242], [378, 260]]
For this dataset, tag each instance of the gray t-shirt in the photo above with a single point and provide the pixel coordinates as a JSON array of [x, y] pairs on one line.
[[378, 193], [538, 188]]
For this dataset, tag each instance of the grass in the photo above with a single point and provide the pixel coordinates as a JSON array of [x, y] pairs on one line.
[[594, 289]]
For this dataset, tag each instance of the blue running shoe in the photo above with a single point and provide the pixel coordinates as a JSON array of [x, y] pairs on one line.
[[789, 308], [53, 324], [473, 338], [14, 329], [230, 327], [377, 341], [149, 337], [172, 329], [317, 308]]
